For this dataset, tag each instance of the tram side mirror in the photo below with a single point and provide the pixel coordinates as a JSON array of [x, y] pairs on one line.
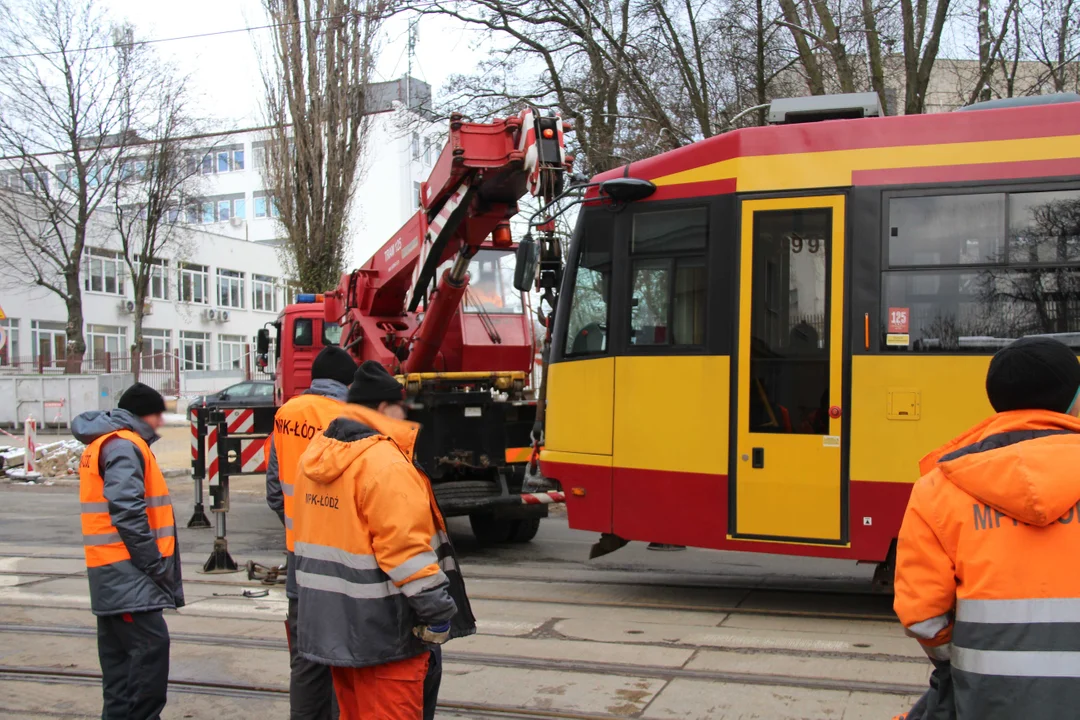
[[528, 259], [262, 341], [627, 189]]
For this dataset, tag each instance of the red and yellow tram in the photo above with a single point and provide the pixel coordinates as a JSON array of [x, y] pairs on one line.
[[756, 356]]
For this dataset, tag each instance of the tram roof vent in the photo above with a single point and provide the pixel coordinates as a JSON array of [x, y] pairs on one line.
[[1053, 99], [788, 111]]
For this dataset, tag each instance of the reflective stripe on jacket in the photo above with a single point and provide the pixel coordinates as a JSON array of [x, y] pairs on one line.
[[295, 424], [128, 525], [981, 578], [372, 556]]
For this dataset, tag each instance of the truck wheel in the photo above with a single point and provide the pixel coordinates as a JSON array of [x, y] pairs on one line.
[[525, 529], [490, 530]]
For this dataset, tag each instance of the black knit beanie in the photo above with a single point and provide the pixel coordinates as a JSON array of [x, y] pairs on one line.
[[142, 400], [333, 363], [1036, 373], [372, 384]]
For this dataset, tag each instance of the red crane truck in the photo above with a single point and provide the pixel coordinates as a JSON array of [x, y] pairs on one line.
[[437, 306]]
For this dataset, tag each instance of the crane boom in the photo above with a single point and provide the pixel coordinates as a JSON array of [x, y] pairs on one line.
[[465, 204]]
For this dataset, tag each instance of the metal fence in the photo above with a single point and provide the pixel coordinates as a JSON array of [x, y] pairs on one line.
[[162, 371]]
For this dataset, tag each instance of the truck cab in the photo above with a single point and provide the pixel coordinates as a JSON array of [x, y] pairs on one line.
[[300, 333]]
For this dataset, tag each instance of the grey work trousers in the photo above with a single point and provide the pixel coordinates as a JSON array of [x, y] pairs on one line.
[[133, 650], [311, 688]]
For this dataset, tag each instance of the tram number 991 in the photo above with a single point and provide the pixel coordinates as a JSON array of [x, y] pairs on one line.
[[811, 244]]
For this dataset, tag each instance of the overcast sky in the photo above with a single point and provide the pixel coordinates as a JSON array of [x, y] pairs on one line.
[[225, 68]]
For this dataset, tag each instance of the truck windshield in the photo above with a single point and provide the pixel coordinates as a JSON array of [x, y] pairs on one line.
[[491, 284]]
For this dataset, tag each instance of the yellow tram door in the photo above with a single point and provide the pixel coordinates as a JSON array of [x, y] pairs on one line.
[[787, 483]]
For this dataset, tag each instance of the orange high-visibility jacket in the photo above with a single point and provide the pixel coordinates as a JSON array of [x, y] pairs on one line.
[[984, 566], [295, 424], [372, 553], [128, 526]]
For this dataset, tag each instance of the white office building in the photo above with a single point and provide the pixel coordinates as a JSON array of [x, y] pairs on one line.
[[223, 280]]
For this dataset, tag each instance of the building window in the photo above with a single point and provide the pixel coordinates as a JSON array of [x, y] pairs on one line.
[[416, 146], [9, 341], [194, 350], [230, 288], [103, 272], [239, 208], [49, 342], [258, 155], [156, 349], [208, 164], [416, 194], [231, 352], [224, 208], [158, 280], [238, 159], [973, 272], [223, 162], [194, 284], [102, 340], [260, 206], [207, 213], [263, 293], [429, 150]]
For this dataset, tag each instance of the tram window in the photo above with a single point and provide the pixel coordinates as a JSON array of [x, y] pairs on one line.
[[983, 310], [649, 307], [663, 312], [980, 308], [1044, 227], [947, 230], [669, 231], [789, 332], [588, 320]]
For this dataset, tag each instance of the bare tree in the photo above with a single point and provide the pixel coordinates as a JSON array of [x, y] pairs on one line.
[[323, 54], [636, 77], [1052, 38], [158, 174], [64, 127], [922, 40]]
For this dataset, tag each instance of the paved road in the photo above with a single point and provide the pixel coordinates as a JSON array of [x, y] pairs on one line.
[[640, 634]]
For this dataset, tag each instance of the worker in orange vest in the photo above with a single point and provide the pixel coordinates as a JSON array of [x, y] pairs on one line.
[[129, 539], [296, 423], [373, 556], [982, 562]]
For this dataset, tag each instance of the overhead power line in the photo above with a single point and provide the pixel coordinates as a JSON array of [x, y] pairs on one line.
[[153, 41]]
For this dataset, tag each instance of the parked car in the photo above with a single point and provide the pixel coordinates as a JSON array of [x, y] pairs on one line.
[[253, 393]]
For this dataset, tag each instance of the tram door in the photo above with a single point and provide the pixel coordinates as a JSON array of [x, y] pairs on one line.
[[788, 444]]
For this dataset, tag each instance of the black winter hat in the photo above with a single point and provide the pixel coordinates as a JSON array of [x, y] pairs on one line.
[[333, 363], [142, 400], [1036, 373], [372, 384]]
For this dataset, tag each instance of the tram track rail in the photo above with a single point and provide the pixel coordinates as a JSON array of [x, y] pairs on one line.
[[47, 675], [743, 607], [664, 673]]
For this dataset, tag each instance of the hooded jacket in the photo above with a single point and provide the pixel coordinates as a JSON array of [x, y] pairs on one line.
[[147, 581], [275, 491], [984, 576], [373, 559]]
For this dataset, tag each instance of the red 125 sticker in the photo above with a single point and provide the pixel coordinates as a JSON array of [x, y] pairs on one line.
[[898, 320]]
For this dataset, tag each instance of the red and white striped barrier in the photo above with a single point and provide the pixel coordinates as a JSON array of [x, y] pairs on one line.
[[546, 498], [253, 456], [239, 421]]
